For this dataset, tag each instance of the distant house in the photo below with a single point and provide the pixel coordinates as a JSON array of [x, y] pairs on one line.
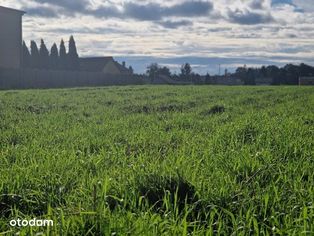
[[10, 37], [107, 65], [263, 81], [306, 81]]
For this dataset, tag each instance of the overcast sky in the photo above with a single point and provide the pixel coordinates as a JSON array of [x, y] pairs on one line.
[[204, 33]]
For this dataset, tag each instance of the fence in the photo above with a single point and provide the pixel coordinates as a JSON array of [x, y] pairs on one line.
[[34, 78]]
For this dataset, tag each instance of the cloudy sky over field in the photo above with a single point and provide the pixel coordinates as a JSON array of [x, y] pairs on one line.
[[204, 33]]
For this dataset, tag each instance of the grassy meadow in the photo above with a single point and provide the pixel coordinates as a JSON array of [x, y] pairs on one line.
[[158, 160]]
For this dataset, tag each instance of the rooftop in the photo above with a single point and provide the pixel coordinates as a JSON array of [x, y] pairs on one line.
[[94, 63], [99, 63], [11, 10]]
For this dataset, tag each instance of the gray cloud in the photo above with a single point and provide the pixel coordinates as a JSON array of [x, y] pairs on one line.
[[254, 14], [149, 11], [175, 24], [42, 11], [190, 9], [143, 12], [256, 4], [248, 17], [105, 12], [93, 30], [154, 11], [72, 5]]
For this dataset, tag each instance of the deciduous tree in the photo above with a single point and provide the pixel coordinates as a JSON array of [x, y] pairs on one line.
[[186, 71]]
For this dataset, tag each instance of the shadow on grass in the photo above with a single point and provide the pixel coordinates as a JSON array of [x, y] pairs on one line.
[[217, 109]]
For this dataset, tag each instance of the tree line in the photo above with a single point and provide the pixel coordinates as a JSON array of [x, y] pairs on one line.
[[55, 59], [288, 74]]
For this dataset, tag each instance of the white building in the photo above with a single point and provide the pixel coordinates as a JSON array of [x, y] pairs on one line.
[[10, 37]]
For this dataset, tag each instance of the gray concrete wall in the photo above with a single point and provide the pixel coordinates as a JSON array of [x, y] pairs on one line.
[[10, 38]]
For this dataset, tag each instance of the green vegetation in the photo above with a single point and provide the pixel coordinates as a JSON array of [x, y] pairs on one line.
[[162, 160]]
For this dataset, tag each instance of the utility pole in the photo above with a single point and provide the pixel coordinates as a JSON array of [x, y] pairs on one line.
[[219, 70]]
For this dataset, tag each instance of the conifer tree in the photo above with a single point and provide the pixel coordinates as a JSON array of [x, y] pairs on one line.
[[73, 58], [34, 62], [62, 56], [26, 60], [43, 55], [54, 57]]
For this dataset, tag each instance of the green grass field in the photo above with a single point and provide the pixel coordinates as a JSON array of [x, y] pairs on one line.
[[158, 160]]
